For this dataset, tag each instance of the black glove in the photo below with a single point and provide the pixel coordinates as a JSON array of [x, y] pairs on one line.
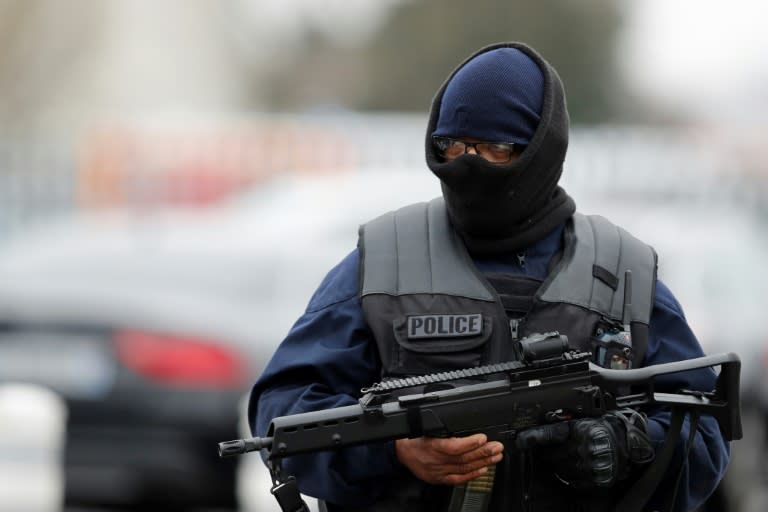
[[592, 452]]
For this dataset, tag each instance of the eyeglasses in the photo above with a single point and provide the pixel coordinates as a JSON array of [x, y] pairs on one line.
[[495, 152]]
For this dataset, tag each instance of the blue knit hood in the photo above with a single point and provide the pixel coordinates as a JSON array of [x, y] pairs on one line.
[[497, 96]]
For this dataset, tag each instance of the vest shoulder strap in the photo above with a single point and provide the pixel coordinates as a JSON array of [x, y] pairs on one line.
[[414, 250], [592, 272]]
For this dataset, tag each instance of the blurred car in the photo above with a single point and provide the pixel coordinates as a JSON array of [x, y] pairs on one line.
[[148, 392], [154, 326], [712, 258]]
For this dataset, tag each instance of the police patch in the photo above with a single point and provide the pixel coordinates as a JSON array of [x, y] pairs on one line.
[[444, 326]]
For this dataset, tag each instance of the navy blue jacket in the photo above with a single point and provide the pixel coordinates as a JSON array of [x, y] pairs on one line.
[[329, 355]]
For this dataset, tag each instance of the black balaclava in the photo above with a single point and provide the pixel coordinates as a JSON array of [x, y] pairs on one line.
[[503, 93]]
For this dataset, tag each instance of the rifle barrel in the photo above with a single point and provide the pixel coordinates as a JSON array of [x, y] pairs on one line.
[[240, 446]]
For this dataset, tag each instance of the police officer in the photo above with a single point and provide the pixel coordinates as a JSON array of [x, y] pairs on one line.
[[456, 281]]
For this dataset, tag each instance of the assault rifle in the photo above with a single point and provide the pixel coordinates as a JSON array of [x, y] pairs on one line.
[[551, 383]]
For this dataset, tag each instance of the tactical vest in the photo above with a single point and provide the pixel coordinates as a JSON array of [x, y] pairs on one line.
[[430, 309]]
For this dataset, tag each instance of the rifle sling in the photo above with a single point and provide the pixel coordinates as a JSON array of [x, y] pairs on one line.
[[288, 497], [691, 436], [639, 494]]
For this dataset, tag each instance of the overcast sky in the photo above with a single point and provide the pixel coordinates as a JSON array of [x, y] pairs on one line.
[[703, 57]]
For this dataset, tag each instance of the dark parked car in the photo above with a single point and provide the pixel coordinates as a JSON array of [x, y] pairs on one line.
[[147, 400]]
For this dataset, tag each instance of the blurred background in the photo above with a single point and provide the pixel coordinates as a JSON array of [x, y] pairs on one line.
[[167, 167]]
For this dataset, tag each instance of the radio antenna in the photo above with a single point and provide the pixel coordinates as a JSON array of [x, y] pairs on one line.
[[625, 314]]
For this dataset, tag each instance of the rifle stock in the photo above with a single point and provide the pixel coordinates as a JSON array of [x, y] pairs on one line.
[[528, 394]]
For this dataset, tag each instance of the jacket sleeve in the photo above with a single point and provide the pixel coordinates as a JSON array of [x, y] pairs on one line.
[[671, 339], [327, 357]]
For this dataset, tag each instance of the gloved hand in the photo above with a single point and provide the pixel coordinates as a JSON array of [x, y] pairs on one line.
[[592, 452]]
